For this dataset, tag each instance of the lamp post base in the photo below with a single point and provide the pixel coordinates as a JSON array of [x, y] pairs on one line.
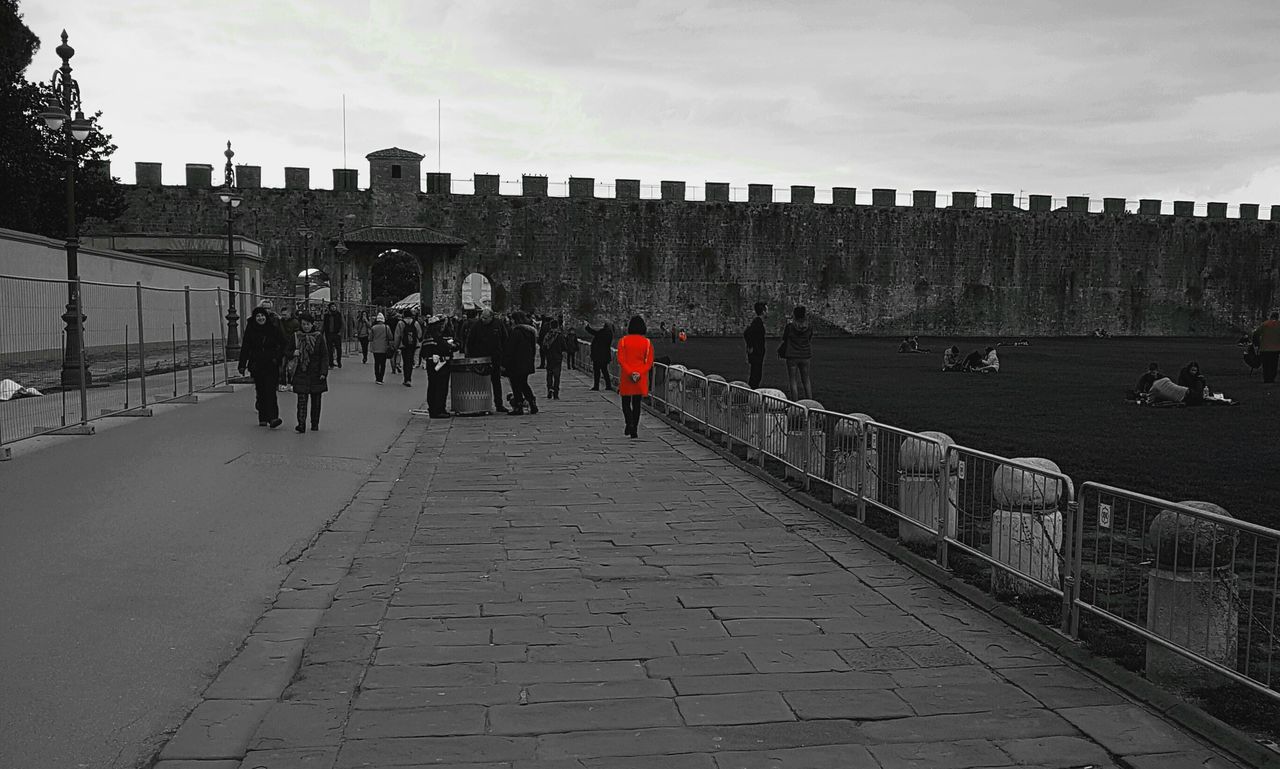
[[74, 351], [233, 332]]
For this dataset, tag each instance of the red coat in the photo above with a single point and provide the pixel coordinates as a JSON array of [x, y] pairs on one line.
[[635, 355]]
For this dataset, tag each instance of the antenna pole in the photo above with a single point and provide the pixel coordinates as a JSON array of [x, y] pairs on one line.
[[344, 130], [438, 139]]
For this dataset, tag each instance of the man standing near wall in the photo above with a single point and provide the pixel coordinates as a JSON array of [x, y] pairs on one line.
[[1267, 337], [488, 338], [755, 345]]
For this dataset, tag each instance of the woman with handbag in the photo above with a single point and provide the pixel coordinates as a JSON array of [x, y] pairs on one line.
[[797, 350], [311, 379], [635, 358], [261, 351]]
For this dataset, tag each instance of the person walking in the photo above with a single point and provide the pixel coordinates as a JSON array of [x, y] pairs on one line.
[[518, 361], [488, 339], [380, 346], [362, 334], [570, 348], [311, 378], [553, 346], [544, 328], [754, 336], [437, 349], [333, 334], [407, 338], [393, 323], [1267, 337], [601, 352], [261, 350], [798, 351], [635, 358]]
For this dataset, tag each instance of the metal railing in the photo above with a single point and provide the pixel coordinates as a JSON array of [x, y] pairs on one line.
[[1202, 589]]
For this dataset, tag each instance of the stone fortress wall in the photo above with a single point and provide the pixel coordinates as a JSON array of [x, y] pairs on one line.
[[881, 268]]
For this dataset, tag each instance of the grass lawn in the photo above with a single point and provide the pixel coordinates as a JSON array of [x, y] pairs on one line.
[[1062, 399]]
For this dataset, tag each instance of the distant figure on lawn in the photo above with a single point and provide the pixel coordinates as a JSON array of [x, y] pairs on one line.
[[1191, 378], [911, 344], [988, 363], [1023, 342], [1267, 337], [951, 360]]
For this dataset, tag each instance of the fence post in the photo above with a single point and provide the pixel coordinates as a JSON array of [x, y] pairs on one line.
[[186, 297], [126, 367], [807, 446], [226, 373], [860, 471], [84, 386], [142, 350], [760, 432], [1069, 545], [944, 504]]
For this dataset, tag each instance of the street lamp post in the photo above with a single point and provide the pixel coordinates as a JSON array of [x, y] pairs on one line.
[[57, 115], [340, 254], [231, 199]]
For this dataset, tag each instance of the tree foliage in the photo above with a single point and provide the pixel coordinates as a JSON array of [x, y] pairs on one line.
[[33, 159], [395, 275]]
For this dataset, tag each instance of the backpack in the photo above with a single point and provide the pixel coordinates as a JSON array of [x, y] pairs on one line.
[[409, 340]]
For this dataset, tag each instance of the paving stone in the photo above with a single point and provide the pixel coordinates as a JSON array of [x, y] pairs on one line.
[[782, 735], [427, 696], [432, 721], [1194, 759], [769, 643], [635, 650], [334, 644], [970, 698], [195, 764], [746, 708], [627, 742], [821, 757], [550, 717], [957, 754], [216, 729], [600, 690], [301, 724], [260, 670], [456, 674], [678, 761], [877, 659], [567, 672], [1059, 686], [991, 725], [297, 623], [1006, 649], [858, 705], [409, 751], [961, 675], [284, 758], [757, 682], [1126, 730], [703, 664], [1055, 751], [440, 655], [800, 661]]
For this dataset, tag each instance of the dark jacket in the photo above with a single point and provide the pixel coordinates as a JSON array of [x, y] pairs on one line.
[[488, 338], [601, 343], [1146, 380], [518, 356], [436, 343], [755, 338], [1195, 384], [312, 374], [262, 347], [796, 336], [332, 323], [554, 343], [362, 327]]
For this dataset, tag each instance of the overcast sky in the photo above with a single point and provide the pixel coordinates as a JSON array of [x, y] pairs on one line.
[[1172, 99]]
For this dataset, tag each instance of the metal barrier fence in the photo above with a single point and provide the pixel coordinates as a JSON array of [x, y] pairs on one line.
[[1202, 589]]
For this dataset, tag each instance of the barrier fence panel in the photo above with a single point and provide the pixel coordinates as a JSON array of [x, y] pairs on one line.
[[164, 329], [1200, 587], [773, 418], [909, 482], [1016, 516], [32, 345], [717, 409], [111, 347]]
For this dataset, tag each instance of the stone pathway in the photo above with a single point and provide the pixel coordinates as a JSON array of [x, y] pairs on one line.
[[543, 593]]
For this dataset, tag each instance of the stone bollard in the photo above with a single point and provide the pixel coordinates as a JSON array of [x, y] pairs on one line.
[[675, 387], [1026, 524], [718, 401], [849, 437], [923, 483], [767, 422], [1193, 596], [798, 442], [695, 394]]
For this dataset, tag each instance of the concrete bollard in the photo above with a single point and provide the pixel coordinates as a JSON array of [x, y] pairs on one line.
[[923, 484], [1026, 524], [849, 437], [1193, 596], [767, 423], [695, 385], [816, 441]]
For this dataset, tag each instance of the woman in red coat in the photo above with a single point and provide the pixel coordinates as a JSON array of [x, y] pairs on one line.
[[635, 358]]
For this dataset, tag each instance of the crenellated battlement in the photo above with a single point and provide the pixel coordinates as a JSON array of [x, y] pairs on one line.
[[398, 170]]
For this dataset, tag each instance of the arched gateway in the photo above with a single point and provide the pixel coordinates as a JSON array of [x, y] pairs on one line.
[[436, 253]]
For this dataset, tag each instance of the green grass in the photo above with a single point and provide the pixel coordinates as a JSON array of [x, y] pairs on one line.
[[1060, 398]]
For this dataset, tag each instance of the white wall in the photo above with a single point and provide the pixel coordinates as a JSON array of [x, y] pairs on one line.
[[30, 310]]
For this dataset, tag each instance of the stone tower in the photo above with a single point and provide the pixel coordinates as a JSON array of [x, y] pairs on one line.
[[395, 169]]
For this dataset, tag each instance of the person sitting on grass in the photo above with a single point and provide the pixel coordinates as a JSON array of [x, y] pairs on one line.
[[911, 344], [951, 360], [990, 363], [972, 361], [1146, 380], [1023, 342], [1197, 388]]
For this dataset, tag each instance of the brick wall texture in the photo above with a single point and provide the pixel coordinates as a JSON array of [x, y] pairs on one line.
[[861, 269]]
